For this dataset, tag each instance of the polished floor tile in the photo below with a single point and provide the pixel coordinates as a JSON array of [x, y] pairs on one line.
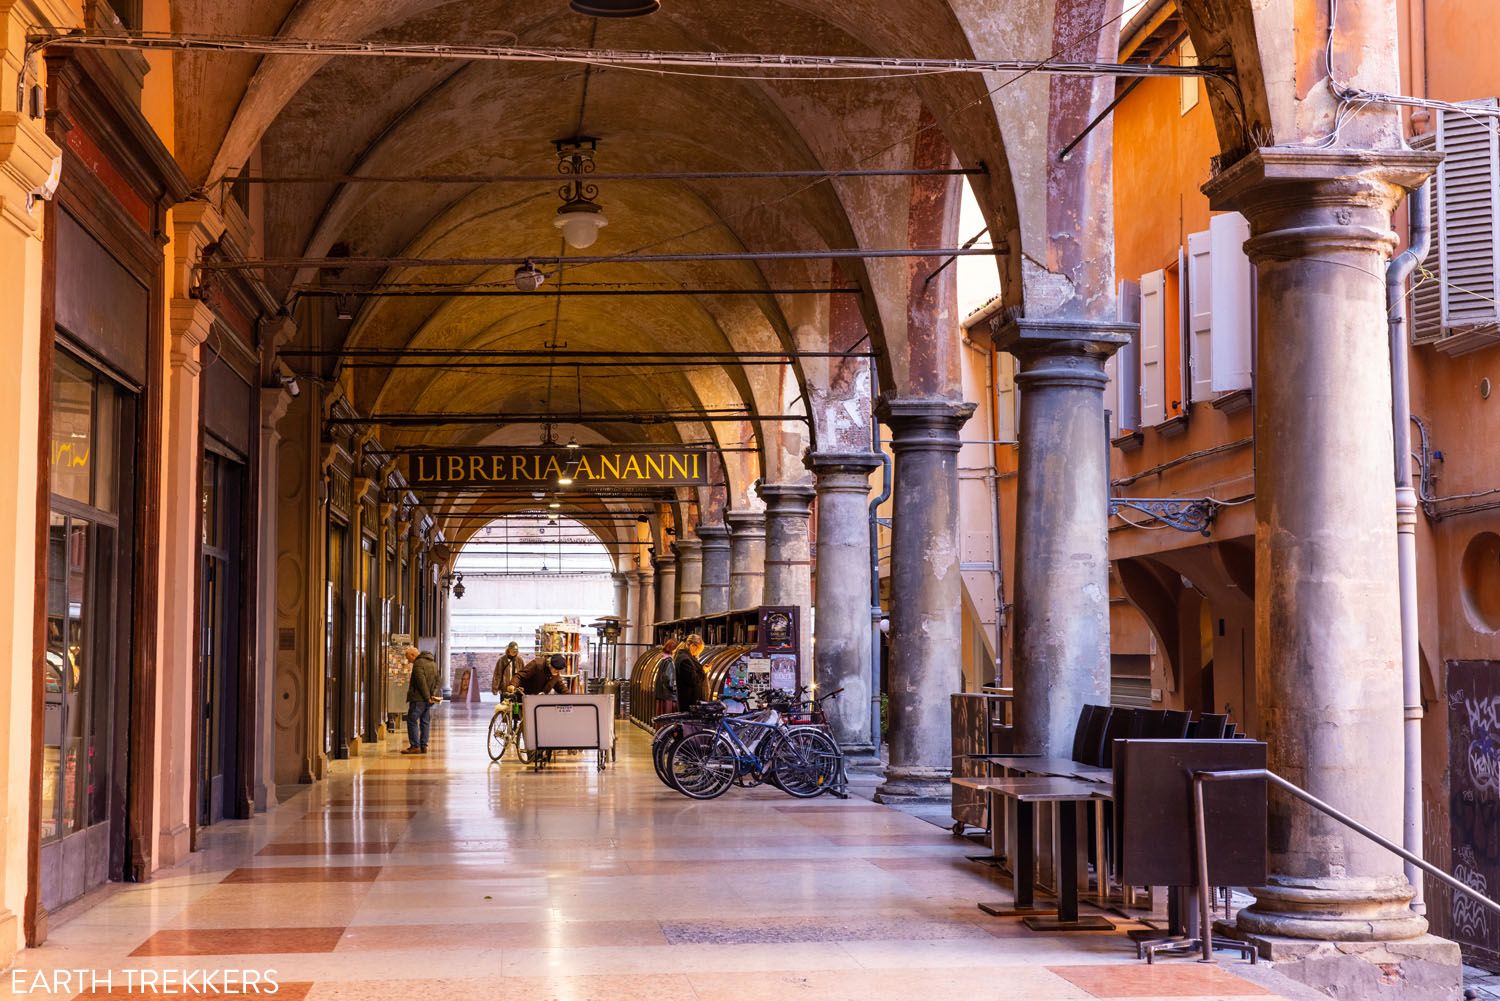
[[449, 877]]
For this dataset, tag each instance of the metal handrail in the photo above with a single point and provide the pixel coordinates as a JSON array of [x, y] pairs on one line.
[[1201, 834]]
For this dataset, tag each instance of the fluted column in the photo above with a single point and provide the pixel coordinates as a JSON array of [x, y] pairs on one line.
[[689, 578], [926, 593], [666, 587], [841, 651], [1328, 636], [788, 560], [715, 539], [747, 557]]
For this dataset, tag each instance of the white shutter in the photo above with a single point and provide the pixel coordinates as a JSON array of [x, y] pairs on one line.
[[1200, 317], [1233, 298], [1427, 289], [1468, 218], [1124, 366], [1006, 397], [1153, 348]]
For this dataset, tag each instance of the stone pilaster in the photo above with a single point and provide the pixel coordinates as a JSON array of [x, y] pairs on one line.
[[926, 593], [666, 587], [788, 560], [715, 539], [628, 614], [1327, 622], [26, 157], [1061, 623], [273, 407], [689, 577], [645, 600], [842, 630], [747, 557]]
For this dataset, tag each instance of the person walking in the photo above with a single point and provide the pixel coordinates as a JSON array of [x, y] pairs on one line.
[[507, 670], [421, 695], [690, 680]]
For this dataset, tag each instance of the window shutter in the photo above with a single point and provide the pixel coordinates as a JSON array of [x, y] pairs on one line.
[[1124, 366], [1200, 313], [1468, 234], [1006, 397], [1427, 289], [1153, 348], [1233, 297]]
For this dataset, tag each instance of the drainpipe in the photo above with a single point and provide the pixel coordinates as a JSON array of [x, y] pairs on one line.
[[875, 611], [1419, 208]]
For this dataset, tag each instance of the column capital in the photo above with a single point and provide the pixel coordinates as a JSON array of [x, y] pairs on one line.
[[273, 407], [196, 226], [924, 422], [191, 322], [687, 549], [27, 158], [787, 498], [746, 524], [664, 561], [1300, 201], [713, 536], [1028, 339]]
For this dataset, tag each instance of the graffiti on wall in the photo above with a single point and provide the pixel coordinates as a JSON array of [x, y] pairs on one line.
[[1474, 798]]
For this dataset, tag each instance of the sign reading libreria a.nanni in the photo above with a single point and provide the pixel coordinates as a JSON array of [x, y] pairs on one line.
[[543, 467]]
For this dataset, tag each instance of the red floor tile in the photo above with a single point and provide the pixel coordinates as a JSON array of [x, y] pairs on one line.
[[326, 848], [305, 874], [238, 941], [1167, 980]]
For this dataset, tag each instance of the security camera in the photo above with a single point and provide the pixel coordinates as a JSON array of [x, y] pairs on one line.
[[528, 278], [48, 188]]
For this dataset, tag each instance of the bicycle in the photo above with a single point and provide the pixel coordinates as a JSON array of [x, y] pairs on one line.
[[507, 728], [805, 760]]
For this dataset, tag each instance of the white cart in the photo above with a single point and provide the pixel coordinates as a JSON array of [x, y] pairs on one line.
[[570, 723]]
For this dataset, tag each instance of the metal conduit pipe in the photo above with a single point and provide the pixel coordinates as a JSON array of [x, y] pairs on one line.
[[1398, 273]]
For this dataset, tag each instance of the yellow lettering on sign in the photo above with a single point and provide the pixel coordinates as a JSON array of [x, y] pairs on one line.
[[654, 467], [456, 468], [422, 474], [518, 467], [610, 464], [678, 465], [630, 464], [553, 469], [476, 467], [695, 464], [497, 467], [585, 471]]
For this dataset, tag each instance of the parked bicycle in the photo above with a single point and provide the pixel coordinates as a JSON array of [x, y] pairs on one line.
[[803, 760], [508, 729]]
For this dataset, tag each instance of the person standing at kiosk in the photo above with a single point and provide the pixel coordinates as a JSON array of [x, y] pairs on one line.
[[690, 680]]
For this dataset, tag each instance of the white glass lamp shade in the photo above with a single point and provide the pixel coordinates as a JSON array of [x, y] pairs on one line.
[[580, 227]]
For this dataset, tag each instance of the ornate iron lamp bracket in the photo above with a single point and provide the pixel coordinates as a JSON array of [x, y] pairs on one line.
[[1186, 514]]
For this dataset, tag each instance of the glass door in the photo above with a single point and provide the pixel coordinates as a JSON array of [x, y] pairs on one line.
[[220, 650]]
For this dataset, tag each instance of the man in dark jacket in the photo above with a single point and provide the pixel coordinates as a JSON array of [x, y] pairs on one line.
[[544, 677], [690, 680], [507, 670], [421, 693]]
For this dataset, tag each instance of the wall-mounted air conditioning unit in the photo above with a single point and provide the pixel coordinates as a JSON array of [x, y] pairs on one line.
[[1456, 300]]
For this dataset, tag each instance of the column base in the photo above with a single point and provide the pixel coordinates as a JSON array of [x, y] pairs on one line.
[[173, 846], [1425, 968], [10, 939], [1334, 910], [915, 785]]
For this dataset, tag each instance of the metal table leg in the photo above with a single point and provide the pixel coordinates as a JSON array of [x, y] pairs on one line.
[[1068, 918]]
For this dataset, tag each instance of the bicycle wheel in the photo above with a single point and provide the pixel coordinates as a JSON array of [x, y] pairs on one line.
[[523, 753], [806, 762], [499, 735], [702, 765], [661, 748]]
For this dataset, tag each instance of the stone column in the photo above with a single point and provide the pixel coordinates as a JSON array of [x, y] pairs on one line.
[[788, 559], [1327, 617], [666, 587], [626, 587], [1061, 622], [622, 595], [273, 407], [715, 540], [689, 578], [26, 156], [841, 654], [926, 593], [747, 557], [644, 599]]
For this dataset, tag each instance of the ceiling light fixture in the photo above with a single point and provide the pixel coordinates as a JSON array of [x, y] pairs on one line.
[[580, 218], [616, 8], [572, 441]]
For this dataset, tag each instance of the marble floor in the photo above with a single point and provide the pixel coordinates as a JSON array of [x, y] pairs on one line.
[[446, 877]]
